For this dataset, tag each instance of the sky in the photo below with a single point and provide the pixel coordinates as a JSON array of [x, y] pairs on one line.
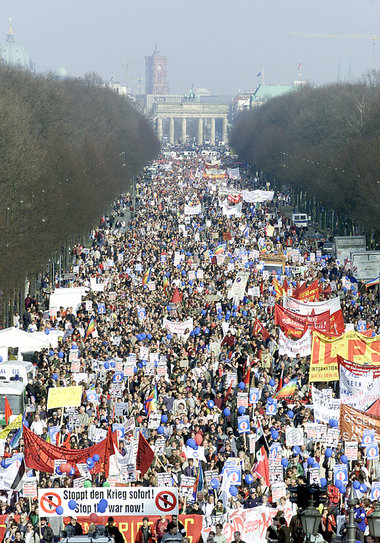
[[217, 45]]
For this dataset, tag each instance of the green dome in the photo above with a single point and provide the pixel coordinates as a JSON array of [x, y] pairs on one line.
[[14, 54]]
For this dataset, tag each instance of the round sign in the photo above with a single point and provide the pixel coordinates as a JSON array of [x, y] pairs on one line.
[[376, 493], [367, 440], [234, 477], [243, 425], [340, 476], [166, 501], [271, 408], [50, 501], [371, 452]]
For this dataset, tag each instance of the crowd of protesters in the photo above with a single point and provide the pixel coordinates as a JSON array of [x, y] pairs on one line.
[[144, 252]]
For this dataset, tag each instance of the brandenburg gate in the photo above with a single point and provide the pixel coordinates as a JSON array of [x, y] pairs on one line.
[[202, 112]]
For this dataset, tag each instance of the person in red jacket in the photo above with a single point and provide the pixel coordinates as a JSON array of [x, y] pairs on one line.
[[144, 534], [160, 527]]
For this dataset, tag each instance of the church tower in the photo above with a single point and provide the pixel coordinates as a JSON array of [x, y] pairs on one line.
[[156, 80]]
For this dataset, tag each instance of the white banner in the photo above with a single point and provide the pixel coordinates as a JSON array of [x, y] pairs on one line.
[[363, 400], [351, 384], [118, 501], [233, 173], [176, 327], [251, 523], [303, 308], [232, 211], [325, 406], [253, 196], [292, 347], [193, 210], [238, 288]]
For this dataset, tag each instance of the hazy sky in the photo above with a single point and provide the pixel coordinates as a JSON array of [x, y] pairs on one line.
[[219, 45]]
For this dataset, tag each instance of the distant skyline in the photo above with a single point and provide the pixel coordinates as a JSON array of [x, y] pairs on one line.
[[217, 45]]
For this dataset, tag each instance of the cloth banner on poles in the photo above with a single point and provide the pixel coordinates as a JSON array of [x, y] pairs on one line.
[[292, 347]]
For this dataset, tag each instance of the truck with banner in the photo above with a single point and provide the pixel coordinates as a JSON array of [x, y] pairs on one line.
[[345, 245], [365, 266]]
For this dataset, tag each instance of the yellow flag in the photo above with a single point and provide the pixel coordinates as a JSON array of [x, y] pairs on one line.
[[14, 424]]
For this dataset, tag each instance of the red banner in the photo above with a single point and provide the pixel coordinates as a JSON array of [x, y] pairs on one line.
[[259, 328], [294, 324], [41, 455], [308, 294], [129, 526], [358, 369]]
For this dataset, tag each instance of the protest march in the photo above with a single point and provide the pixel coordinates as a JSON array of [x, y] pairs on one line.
[[201, 367]]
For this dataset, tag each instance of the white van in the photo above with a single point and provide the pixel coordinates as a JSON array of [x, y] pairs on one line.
[[301, 220], [15, 392], [14, 371]]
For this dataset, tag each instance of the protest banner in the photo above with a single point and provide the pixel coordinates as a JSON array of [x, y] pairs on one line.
[[352, 346], [120, 501], [295, 324], [325, 406], [351, 450], [354, 423], [64, 397], [291, 348], [251, 523], [176, 327], [238, 288], [192, 209], [306, 308], [129, 525]]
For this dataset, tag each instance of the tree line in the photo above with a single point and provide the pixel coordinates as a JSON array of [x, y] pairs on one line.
[[325, 141], [67, 149]]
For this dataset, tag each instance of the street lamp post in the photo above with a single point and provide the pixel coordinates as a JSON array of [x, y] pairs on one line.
[[310, 520], [351, 527], [374, 522]]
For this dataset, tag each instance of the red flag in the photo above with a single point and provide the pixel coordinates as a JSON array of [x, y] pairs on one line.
[[177, 296], [144, 456], [40, 455], [262, 465], [228, 393], [258, 328], [285, 286], [247, 377], [8, 411]]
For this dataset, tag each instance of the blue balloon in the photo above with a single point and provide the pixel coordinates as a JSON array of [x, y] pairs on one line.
[[284, 462], [26, 423], [191, 282], [197, 330], [47, 331], [143, 335], [233, 490], [90, 463], [164, 418], [168, 308], [113, 365], [214, 483], [241, 385], [55, 376], [296, 450], [260, 304], [72, 472], [59, 510], [96, 458], [338, 484], [74, 346], [275, 435], [149, 336], [72, 504], [191, 443], [234, 314], [210, 404], [3, 464], [310, 461], [220, 317], [226, 412], [323, 482], [333, 423], [51, 352], [356, 485], [245, 313], [270, 400], [169, 337], [160, 430], [290, 414], [106, 365], [58, 471], [272, 383], [342, 490], [241, 410], [344, 459], [234, 307], [363, 488], [248, 479], [61, 354], [203, 312], [328, 452], [219, 310]]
